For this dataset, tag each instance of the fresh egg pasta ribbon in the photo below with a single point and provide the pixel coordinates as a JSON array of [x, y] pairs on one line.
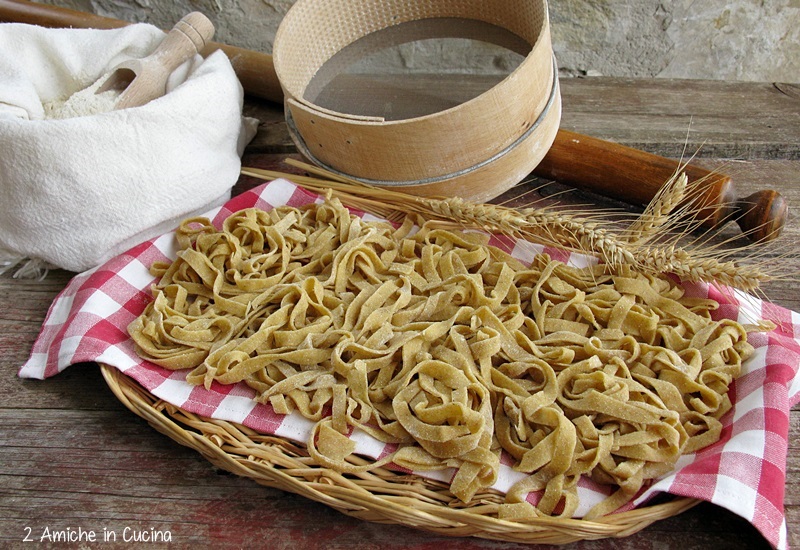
[[447, 348]]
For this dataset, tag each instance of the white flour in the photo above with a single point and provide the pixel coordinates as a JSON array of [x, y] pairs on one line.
[[83, 103]]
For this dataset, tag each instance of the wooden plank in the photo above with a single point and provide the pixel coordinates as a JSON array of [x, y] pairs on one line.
[[115, 472], [77, 388], [741, 120]]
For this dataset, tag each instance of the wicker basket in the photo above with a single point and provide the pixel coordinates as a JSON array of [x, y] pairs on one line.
[[381, 495]]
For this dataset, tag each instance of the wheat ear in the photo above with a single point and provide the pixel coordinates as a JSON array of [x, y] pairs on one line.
[[658, 212], [542, 225]]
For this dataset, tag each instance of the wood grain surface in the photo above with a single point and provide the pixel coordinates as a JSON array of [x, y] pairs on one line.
[[72, 457]]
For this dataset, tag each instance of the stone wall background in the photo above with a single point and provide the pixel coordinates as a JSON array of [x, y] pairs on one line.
[[746, 40]]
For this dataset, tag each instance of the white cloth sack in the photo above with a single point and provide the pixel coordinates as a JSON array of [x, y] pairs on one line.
[[75, 192]]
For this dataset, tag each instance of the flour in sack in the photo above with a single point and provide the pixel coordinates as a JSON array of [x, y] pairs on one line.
[[85, 102], [76, 191]]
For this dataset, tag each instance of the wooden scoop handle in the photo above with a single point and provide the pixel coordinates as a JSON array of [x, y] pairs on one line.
[[146, 78], [635, 177], [189, 36]]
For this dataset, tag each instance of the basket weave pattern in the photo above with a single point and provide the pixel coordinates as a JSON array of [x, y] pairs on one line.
[[381, 495]]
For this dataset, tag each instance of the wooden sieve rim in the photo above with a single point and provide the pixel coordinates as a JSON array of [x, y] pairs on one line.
[[306, 151], [432, 148]]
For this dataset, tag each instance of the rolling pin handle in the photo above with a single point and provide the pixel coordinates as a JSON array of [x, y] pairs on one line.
[[762, 215]]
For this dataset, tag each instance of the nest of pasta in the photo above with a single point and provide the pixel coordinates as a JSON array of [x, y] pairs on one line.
[[451, 352]]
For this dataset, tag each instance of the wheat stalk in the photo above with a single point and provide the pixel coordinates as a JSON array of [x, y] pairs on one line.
[[681, 262], [635, 246], [546, 226]]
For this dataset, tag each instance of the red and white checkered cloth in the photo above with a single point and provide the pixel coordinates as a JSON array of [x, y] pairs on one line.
[[744, 472]]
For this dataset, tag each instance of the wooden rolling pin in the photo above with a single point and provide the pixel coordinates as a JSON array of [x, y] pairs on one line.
[[634, 176], [606, 168]]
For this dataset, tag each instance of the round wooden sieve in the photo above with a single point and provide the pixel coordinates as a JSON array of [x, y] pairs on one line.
[[476, 149]]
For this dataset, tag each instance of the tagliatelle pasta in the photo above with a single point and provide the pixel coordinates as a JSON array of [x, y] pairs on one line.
[[448, 348]]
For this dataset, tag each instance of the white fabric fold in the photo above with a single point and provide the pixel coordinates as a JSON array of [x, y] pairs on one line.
[[75, 192]]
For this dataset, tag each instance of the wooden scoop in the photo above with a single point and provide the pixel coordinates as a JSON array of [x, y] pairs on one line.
[[143, 80]]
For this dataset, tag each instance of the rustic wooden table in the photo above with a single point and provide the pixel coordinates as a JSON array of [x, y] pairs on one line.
[[72, 457]]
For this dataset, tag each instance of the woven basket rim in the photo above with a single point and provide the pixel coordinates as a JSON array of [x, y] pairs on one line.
[[388, 497]]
